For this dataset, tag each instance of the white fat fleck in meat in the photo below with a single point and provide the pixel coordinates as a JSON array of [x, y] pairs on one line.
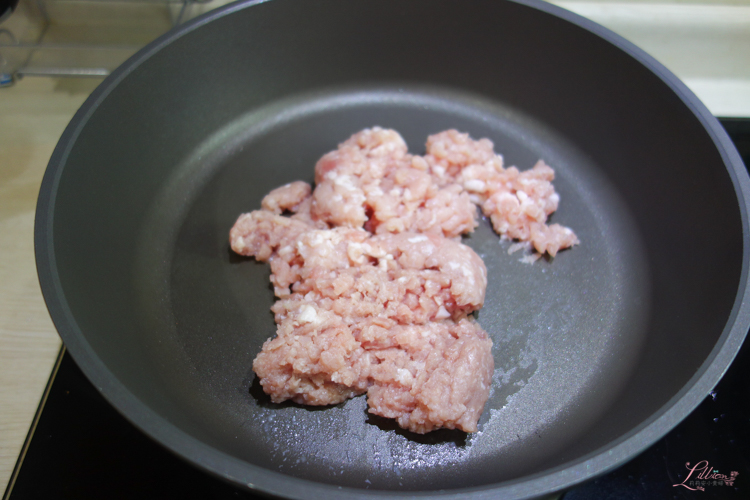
[[442, 313], [307, 314], [376, 251], [404, 376], [475, 185], [356, 252], [344, 181]]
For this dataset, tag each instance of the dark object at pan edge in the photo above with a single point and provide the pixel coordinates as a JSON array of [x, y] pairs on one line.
[[688, 117]]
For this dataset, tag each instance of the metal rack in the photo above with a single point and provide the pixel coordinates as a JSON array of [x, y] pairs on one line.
[[84, 38]]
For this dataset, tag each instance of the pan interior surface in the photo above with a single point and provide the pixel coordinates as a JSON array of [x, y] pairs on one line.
[[565, 332], [592, 349]]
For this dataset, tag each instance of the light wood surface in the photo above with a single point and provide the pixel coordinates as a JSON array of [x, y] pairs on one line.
[[33, 115], [708, 49]]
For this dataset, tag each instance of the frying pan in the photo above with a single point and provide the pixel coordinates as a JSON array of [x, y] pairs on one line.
[[599, 352]]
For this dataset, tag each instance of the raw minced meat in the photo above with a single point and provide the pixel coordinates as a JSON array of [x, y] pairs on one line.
[[288, 197], [375, 290], [354, 306], [314, 359], [518, 203], [371, 181], [426, 376], [412, 278], [430, 376]]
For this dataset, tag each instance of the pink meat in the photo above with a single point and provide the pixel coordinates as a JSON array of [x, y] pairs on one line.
[[409, 277], [259, 234], [430, 376], [314, 358], [375, 292], [518, 203], [343, 291], [371, 182], [288, 197]]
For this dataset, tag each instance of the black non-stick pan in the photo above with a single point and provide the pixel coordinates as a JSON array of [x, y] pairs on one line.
[[598, 352]]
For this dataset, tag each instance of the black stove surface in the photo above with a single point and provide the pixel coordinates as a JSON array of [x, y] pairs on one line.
[[79, 447]]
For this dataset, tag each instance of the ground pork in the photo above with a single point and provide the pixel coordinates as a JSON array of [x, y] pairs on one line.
[[372, 182], [375, 290], [518, 203], [426, 376], [288, 197], [345, 292], [412, 278], [314, 358], [430, 376]]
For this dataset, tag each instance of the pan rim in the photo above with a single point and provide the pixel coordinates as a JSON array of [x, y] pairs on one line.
[[239, 472]]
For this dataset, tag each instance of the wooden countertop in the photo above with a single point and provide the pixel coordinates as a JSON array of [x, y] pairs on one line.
[[706, 46], [33, 115]]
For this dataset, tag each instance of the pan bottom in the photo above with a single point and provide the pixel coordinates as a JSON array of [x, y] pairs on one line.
[[566, 331]]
